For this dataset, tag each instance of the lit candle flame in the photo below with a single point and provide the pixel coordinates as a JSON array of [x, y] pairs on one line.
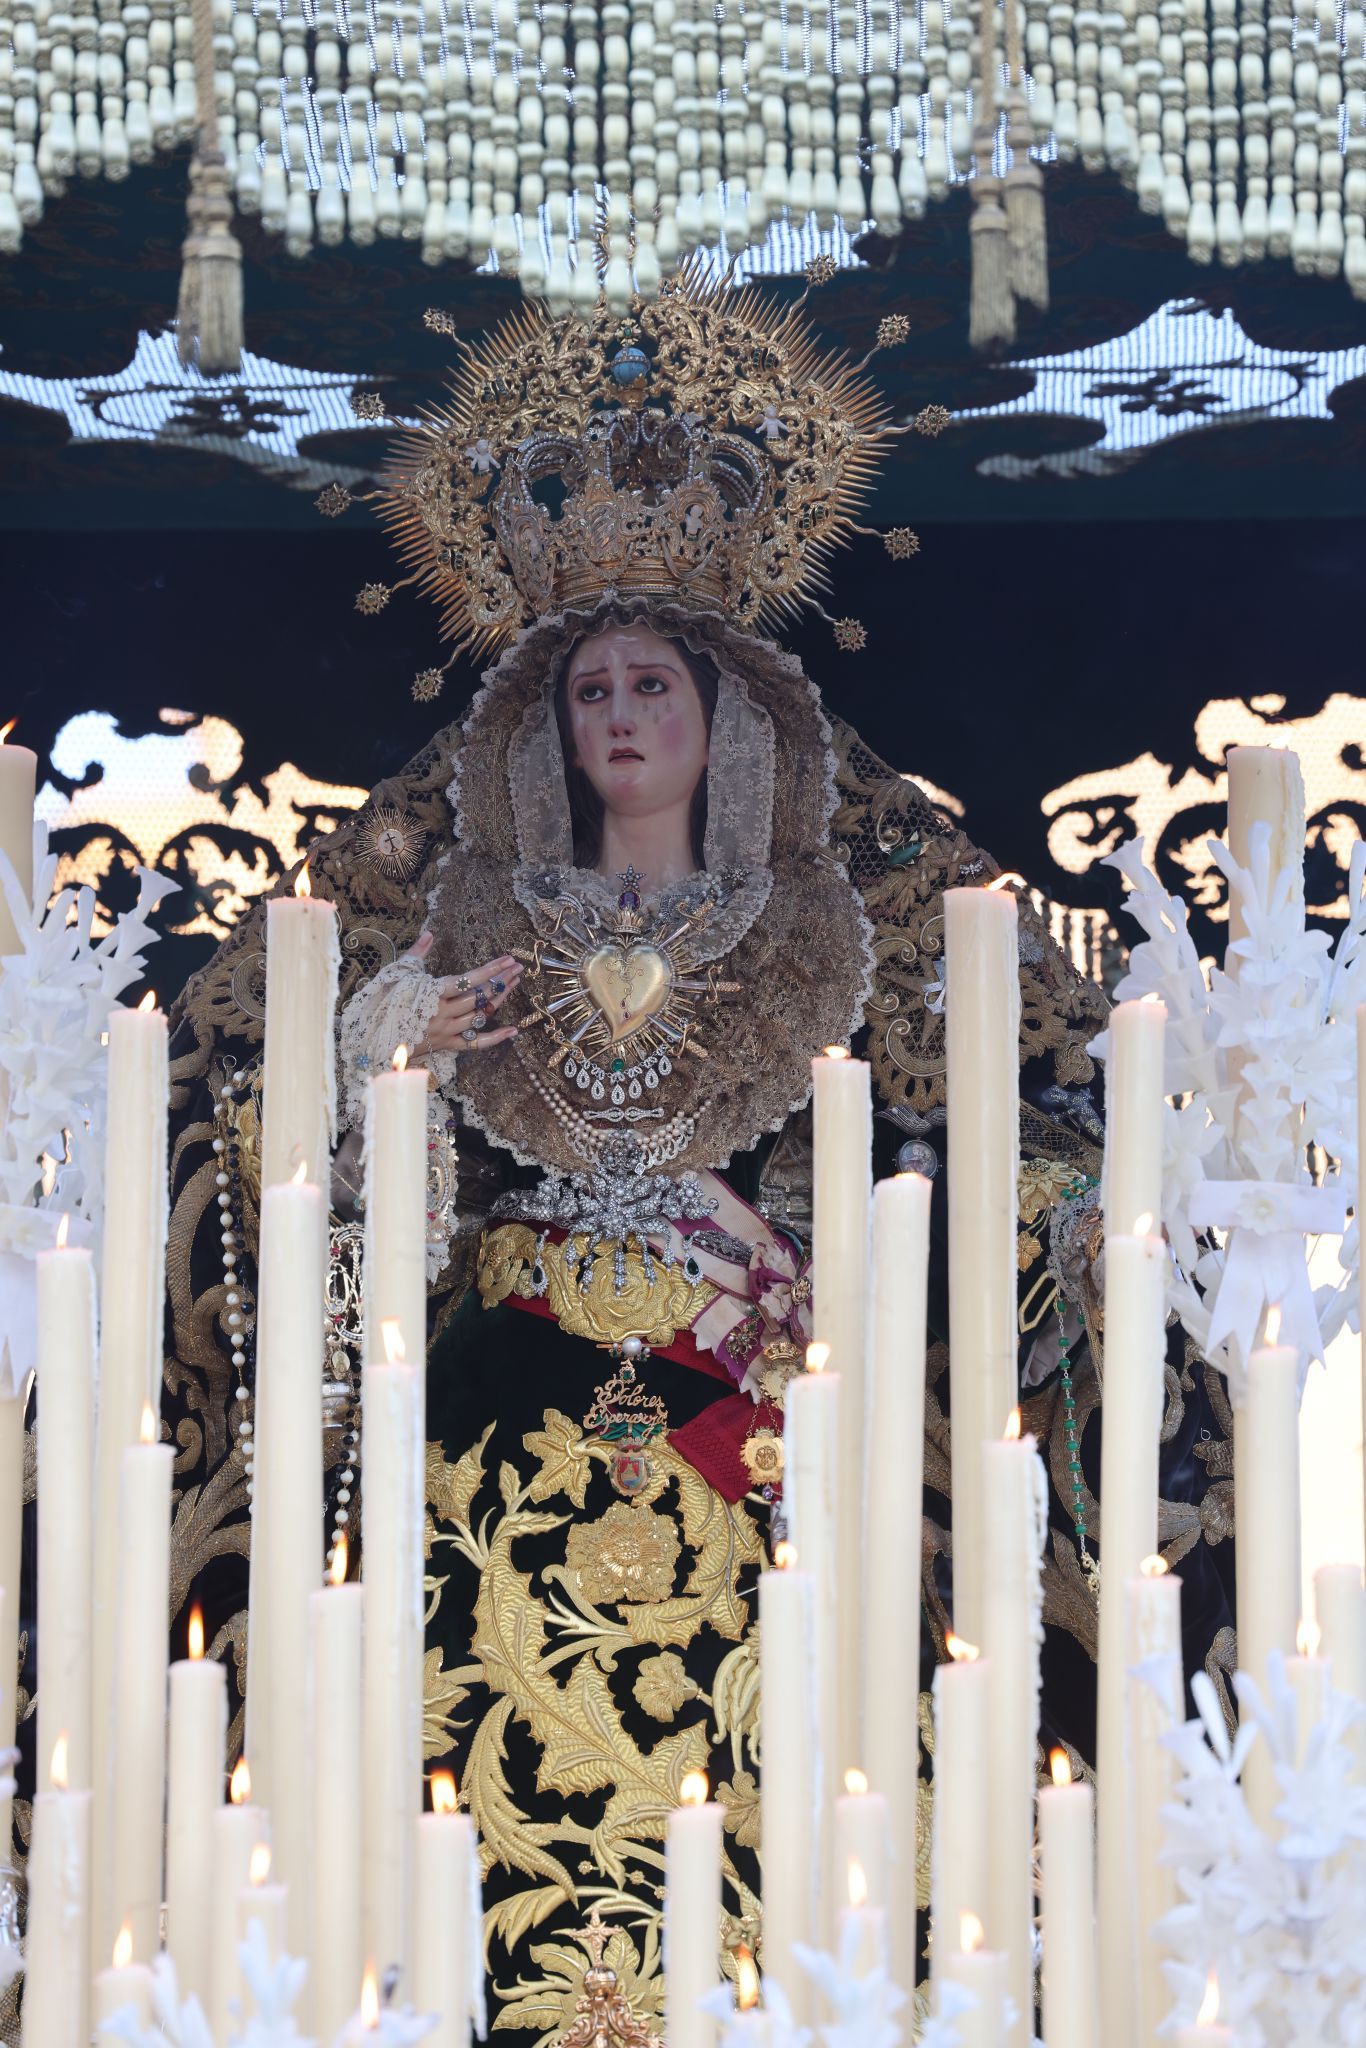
[[746, 1980], [123, 1946], [369, 1998], [971, 1933], [1006, 881], [856, 1783], [302, 884], [1012, 1428], [784, 1556], [1060, 1767], [196, 1633], [258, 1870], [239, 1784], [694, 1788], [817, 1357], [299, 1175], [62, 1229], [149, 1001], [147, 1428], [400, 1060], [1273, 1323], [60, 1772], [835, 1052], [1143, 1225], [7, 729], [444, 1796], [1209, 2004], [960, 1651], [1307, 1637], [341, 1560], [393, 1340], [858, 1883]]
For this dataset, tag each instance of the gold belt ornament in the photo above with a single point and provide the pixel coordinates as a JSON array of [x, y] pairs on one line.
[[616, 1299]]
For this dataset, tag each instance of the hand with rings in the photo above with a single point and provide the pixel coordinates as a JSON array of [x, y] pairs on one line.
[[464, 1016]]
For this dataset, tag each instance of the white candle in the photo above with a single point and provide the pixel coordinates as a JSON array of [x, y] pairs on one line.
[[692, 1914], [446, 1948], [747, 2025], [18, 779], [896, 1453], [299, 1076], [396, 1204], [1340, 1609], [289, 1488], [66, 1412], [982, 1013], [56, 1983], [1071, 2015], [983, 1974], [863, 1836], [334, 1618], [124, 1987], [1265, 787], [1267, 1467], [138, 1800], [132, 1307], [1134, 1074], [1205, 2033], [267, 1906], [960, 1853], [787, 1783], [1016, 1517], [11, 1550], [842, 1183], [299, 1120], [1309, 1678], [198, 1734], [861, 1927], [391, 1696], [236, 1831], [1154, 1706], [810, 1490], [1135, 1353]]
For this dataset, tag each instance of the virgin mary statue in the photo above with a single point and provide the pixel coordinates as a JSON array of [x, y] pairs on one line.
[[615, 910]]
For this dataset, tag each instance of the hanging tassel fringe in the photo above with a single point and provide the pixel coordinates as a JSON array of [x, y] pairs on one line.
[[1025, 214], [991, 322], [209, 309]]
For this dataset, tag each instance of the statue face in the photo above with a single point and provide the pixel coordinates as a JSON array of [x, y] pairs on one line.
[[638, 726]]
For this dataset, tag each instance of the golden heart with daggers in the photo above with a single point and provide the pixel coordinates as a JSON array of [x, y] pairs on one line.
[[629, 984]]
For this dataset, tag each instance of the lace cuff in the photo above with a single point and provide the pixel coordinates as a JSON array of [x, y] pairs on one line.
[[392, 1009]]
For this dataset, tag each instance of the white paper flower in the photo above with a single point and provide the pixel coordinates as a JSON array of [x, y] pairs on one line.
[[1263, 1065], [864, 2006]]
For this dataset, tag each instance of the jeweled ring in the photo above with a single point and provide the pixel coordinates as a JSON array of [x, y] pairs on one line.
[[470, 1037], [462, 984]]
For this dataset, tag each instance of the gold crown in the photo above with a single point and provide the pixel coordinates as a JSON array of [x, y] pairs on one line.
[[707, 449]]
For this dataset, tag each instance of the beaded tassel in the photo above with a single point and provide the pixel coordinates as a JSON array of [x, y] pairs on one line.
[[209, 311]]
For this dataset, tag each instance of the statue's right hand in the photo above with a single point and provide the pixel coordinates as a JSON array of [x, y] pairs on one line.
[[467, 1004]]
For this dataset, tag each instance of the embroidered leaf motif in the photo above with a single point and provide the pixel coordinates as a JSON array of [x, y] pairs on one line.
[[506, 1835], [509, 1485], [451, 1488], [513, 1918], [565, 1463], [441, 1695]]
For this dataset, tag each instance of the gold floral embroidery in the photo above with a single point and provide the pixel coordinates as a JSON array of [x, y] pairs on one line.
[[741, 1802], [662, 1685], [630, 1553], [565, 1463], [1042, 1183], [549, 2003]]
